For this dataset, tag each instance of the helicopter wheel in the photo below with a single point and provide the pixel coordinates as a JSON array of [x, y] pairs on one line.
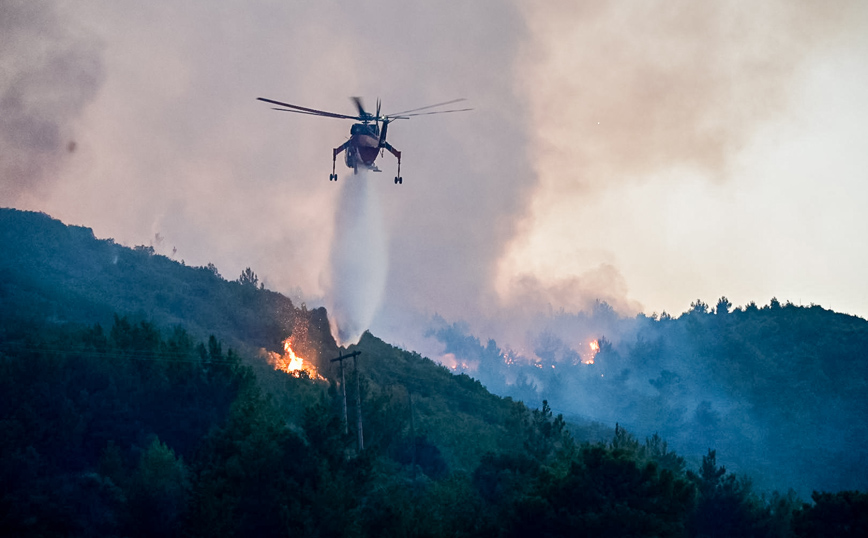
[[399, 180], [333, 177]]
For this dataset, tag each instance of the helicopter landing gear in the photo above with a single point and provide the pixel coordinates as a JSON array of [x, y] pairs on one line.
[[398, 179], [333, 176]]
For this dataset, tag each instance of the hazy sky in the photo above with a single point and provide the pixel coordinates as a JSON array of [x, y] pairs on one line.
[[643, 153]]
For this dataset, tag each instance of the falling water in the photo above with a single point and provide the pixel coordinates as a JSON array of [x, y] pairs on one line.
[[358, 260]]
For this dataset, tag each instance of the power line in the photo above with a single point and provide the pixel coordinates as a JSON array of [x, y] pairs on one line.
[[137, 355]]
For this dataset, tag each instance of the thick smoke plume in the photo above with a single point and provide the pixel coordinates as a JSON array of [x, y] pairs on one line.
[[571, 101], [48, 74], [358, 260]]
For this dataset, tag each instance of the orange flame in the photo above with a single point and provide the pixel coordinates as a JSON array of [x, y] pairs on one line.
[[595, 348], [291, 363]]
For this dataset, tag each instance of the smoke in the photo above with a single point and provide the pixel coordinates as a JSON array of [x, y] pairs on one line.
[[621, 91], [643, 115], [709, 378], [538, 200], [48, 74], [358, 259]]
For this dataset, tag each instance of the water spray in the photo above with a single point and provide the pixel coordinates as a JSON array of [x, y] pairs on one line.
[[358, 260]]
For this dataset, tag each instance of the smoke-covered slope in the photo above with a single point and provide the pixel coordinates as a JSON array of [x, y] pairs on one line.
[[63, 273], [130, 427], [779, 391], [57, 275]]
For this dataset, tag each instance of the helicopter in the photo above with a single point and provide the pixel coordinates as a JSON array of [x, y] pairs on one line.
[[367, 139]]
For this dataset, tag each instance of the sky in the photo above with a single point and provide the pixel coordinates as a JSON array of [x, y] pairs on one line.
[[644, 153]]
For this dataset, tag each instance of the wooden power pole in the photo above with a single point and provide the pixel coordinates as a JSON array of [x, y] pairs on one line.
[[340, 360], [358, 400]]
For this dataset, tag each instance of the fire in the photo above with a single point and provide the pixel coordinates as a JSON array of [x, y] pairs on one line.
[[595, 348], [295, 362], [291, 363]]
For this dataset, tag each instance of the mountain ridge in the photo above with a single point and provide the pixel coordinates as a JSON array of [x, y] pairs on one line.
[[741, 380], [117, 420]]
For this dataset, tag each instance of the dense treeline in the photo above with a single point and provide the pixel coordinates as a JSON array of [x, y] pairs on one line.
[[82, 409], [780, 389], [146, 424], [50, 270], [126, 432]]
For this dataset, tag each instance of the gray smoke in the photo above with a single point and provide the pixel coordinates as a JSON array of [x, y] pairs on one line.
[[611, 94], [358, 260], [48, 74], [570, 100]]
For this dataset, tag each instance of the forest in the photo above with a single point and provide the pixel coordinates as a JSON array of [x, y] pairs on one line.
[[136, 399], [781, 389]]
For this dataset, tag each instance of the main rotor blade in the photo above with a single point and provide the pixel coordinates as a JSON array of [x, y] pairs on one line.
[[405, 116], [358, 102], [429, 106], [313, 111], [300, 112]]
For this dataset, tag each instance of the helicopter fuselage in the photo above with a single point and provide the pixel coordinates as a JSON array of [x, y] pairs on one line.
[[363, 147]]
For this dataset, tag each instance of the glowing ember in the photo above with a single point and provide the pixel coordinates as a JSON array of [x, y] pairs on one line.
[[595, 348], [291, 363]]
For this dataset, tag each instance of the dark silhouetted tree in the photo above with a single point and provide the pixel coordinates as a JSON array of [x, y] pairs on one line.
[[158, 492], [841, 514], [698, 307], [248, 278], [725, 506], [213, 268]]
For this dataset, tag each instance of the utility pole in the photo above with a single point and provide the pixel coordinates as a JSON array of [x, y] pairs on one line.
[[340, 360], [358, 400]]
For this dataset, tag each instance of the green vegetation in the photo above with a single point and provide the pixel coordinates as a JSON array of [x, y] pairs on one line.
[[780, 390], [133, 424], [64, 274]]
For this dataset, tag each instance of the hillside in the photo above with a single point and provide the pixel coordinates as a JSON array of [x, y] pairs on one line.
[[63, 273], [781, 391], [136, 399], [63, 276]]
